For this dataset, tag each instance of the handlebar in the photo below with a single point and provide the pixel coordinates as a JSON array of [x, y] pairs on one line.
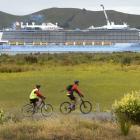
[[43, 100]]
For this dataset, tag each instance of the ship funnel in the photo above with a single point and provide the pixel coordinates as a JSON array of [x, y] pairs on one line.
[[106, 17]]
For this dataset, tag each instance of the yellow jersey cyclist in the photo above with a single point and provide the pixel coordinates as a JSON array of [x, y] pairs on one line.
[[35, 95]]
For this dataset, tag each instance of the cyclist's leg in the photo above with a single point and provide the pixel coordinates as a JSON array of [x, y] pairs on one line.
[[39, 102], [73, 101], [34, 102]]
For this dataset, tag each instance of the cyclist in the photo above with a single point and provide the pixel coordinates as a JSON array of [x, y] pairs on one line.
[[35, 95], [70, 93]]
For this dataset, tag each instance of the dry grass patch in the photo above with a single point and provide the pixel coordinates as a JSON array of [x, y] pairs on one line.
[[65, 128]]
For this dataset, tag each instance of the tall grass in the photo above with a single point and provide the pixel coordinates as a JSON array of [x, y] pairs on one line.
[[14, 68], [71, 59], [65, 128]]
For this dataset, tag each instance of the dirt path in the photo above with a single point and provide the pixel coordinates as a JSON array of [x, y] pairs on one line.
[[101, 116]]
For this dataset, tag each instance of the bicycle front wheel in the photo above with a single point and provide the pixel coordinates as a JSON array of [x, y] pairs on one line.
[[65, 108], [85, 107], [27, 110], [47, 110]]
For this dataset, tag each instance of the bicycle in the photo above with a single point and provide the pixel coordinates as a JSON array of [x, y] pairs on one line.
[[46, 109], [85, 107]]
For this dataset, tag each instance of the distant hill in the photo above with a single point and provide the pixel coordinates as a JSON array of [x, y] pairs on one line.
[[71, 18]]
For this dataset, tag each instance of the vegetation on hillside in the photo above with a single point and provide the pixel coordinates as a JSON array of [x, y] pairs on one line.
[[71, 18]]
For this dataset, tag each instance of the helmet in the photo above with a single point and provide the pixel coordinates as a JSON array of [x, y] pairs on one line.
[[38, 86], [76, 81]]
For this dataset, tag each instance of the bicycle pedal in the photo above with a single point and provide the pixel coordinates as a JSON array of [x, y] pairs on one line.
[[73, 108]]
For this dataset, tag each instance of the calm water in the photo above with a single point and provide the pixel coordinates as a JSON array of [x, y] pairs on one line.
[[66, 49]]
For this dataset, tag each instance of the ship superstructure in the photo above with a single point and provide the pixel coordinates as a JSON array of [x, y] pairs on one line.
[[33, 26], [110, 25]]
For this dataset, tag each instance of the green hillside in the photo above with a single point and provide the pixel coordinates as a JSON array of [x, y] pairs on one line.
[[72, 18]]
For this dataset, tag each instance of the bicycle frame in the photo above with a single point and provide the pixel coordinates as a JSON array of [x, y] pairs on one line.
[[78, 101], [85, 106], [41, 103], [82, 101], [29, 109]]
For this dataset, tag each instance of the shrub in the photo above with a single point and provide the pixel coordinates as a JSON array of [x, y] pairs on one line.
[[124, 123], [126, 60], [31, 59], [11, 68], [2, 117], [130, 106], [127, 111]]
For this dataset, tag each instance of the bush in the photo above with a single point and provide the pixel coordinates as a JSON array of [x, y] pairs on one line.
[[11, 68], [126, 60], [124, 123], [127, 111], [130, 106], [31, 59], [2, 117]]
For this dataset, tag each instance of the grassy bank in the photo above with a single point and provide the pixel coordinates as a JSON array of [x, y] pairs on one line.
[[67, 128]]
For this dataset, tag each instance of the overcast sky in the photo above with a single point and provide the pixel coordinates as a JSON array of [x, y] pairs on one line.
[[23, 7]]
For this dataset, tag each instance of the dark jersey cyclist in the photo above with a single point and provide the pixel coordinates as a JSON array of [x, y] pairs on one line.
[[70, 92]]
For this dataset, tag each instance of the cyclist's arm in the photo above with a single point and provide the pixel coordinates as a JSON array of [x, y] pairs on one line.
[[39, 94], [75, 88], [79, 92]]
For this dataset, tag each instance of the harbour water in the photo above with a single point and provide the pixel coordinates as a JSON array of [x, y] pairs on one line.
[[12, 50]]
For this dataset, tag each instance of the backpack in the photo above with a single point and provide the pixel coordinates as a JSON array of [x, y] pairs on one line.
[[68, 88]]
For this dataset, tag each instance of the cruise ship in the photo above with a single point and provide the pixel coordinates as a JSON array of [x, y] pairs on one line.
[[49, 34]]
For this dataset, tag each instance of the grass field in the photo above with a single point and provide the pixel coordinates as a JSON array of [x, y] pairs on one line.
[[102, 83], [103, 79]]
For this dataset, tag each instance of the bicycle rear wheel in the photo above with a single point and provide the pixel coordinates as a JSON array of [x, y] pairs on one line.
[[85, 107], [27, 110], [65, 108], [47, 110]]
